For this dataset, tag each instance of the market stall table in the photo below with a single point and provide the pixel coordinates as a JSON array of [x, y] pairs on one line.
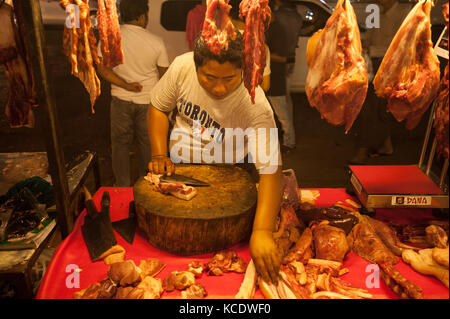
[[60, 282]]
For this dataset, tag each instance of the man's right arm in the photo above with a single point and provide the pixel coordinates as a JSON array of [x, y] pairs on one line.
[[158, 127]]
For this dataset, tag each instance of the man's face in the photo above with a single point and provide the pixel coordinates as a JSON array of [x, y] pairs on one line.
[[219, 80]]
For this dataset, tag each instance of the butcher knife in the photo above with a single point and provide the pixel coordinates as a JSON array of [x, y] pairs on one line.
[[127, 227], [176, 178], [97, 229]]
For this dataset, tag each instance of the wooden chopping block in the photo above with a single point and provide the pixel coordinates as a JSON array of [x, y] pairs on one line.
[[219, 215]]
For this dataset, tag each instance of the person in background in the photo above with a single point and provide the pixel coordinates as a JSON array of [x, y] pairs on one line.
[[282, 53], [240, 25], [292, 22], [194, 23], [145, 61], [373, 124], [286, 13]]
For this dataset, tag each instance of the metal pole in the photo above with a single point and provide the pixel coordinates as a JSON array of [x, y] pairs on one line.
[[427, 134], [443, 174], [431, 157], [28, 13]]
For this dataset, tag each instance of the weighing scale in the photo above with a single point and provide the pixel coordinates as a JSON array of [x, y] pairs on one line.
[[396, 186], [405, 186]]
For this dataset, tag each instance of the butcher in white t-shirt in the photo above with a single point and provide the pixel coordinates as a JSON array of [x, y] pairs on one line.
[[145, 61], [205, 94]]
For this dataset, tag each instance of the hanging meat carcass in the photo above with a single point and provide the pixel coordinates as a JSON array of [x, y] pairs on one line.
[[256, 14], [408, 77], [21, 93], [441, 115], [217, 27], [337, 80], [218, 30], [80, 46], [109, 30]]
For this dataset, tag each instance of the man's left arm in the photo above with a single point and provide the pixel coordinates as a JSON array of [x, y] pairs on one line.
[[263, 249], [161, 70], [110, 76]]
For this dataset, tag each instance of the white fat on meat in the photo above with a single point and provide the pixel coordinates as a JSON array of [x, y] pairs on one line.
[[179, 190]]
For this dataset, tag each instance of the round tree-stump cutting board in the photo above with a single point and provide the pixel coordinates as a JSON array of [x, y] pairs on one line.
[[219, 215]]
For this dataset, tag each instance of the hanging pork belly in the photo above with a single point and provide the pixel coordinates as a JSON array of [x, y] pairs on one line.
[[441, 115], [109, 30], [337, 80], [80, 47], [256, 14], [13, 58], [408, 77]]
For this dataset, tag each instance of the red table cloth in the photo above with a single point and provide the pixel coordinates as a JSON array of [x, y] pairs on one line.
[[72, 253]]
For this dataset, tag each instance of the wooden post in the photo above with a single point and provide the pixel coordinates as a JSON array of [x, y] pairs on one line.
[[28, 14]]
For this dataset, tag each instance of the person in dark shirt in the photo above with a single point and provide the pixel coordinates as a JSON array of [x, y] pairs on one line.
[[292, 22], [276, 39]]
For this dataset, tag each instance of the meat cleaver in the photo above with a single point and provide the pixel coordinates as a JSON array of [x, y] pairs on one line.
[[97, 229], [176, 178], [127, 227]]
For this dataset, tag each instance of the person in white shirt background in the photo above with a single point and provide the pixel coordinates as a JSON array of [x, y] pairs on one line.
[[145, 62]]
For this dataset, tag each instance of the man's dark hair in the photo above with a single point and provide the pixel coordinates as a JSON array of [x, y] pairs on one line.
[[234, 55], [132, 9]]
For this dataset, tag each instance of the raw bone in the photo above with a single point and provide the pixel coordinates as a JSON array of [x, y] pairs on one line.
[[248, 286], [423, 262]]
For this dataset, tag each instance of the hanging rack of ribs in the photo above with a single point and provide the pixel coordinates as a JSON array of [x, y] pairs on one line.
[[109, 30], [80, 47]]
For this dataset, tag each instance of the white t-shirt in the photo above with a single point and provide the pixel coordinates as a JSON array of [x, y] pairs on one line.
[[142, 52], [205, 127]]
